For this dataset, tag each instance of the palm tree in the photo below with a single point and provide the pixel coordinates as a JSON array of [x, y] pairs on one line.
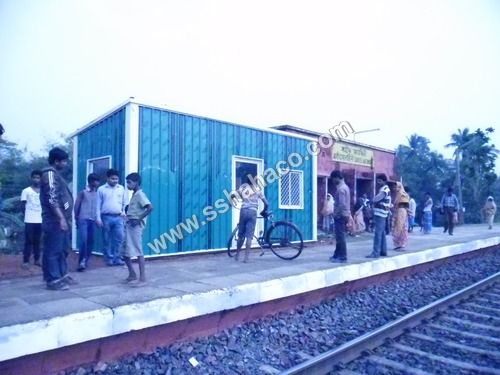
[[479, 158], [460, 140], [417, 146]]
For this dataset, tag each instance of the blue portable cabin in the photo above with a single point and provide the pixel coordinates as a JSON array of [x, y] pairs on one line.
[[189, 165]]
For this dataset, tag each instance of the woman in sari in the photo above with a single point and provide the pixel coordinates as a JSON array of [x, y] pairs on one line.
[[400, 223], [489, 211], [358, 219]]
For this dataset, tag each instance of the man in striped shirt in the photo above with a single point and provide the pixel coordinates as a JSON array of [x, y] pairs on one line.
[[381, 206]]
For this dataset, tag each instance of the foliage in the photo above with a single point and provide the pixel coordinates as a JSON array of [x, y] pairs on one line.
[[425, 170], [421, 169], [476, 157], [16, 166]]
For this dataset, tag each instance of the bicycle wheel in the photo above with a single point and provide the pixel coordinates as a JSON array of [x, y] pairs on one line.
[[285, 240], [231, 243]]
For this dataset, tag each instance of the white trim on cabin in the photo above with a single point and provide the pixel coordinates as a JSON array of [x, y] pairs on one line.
[[74, 187], [131, 139], [99, 118], [201, 251], [131, 100], [265, 129], [314, 182]]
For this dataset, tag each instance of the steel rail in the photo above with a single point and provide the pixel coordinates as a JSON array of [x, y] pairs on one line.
[[324, 363]]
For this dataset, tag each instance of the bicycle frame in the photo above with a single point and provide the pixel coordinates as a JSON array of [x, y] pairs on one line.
[[263, 239], [272, 237]]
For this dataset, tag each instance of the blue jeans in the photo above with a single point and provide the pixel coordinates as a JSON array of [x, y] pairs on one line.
[[86, 245], [379, 242], [113, 233], [341, 246], [56, 244]]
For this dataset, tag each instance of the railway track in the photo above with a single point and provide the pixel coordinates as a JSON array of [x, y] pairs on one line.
[[458, 334]]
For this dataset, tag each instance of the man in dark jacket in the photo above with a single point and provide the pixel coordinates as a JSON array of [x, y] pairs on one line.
[[57, 207]]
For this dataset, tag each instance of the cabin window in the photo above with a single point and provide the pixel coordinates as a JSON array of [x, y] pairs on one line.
[[99, 166], [291, 190]]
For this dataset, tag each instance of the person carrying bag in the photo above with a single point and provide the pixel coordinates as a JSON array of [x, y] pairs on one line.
[[327, 212]]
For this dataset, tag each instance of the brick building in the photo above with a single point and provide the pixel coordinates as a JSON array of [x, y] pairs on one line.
[[359, 163]]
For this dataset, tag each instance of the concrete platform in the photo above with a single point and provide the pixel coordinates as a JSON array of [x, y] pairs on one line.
[[33, 319]]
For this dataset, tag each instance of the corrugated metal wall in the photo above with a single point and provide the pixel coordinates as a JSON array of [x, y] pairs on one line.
[[107, 137], [185, 162]]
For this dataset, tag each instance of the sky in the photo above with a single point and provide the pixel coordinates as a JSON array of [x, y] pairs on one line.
[[425, 67]]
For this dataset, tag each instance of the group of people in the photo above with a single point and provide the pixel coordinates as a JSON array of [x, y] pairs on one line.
[[49, 209], [398, 215], [357, 223], [449, 207]]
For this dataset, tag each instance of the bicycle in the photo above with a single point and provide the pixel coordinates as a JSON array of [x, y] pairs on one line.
[[282, 237]]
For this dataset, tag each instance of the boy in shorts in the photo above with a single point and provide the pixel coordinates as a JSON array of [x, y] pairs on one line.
[[138, 208]]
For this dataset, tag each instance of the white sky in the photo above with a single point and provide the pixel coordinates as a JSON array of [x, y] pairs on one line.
[[428, 67]]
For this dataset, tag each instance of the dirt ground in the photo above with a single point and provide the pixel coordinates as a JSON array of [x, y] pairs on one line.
[[10, 265]]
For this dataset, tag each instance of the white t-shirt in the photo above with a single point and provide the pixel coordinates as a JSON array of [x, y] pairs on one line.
[[428, 205], [413, 207], [33, 212]]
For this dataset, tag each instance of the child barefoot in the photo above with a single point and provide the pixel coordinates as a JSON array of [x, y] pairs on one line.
[[138, 208]]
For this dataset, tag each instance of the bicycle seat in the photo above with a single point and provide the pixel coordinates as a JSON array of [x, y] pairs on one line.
[[266, 214]]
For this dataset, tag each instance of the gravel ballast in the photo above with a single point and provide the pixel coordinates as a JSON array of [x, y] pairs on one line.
[[274, 343]]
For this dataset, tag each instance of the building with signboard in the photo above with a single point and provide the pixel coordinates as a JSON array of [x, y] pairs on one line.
[[359, 163], [189, 167]]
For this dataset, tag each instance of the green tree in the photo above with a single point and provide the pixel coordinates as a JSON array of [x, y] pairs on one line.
[[475, 157], [422, 169], [16, 165], [12, 165]]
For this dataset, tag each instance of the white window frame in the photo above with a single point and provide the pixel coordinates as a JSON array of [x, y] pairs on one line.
[[301, 187], [89, 163], [259, 226], [245, 159]]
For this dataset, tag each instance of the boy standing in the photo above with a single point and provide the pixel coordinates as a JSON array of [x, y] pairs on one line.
[[138, 208], [85, 215], [30, 198]]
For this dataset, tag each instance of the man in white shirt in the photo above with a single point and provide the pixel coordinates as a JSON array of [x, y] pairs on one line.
[[30, 198]]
